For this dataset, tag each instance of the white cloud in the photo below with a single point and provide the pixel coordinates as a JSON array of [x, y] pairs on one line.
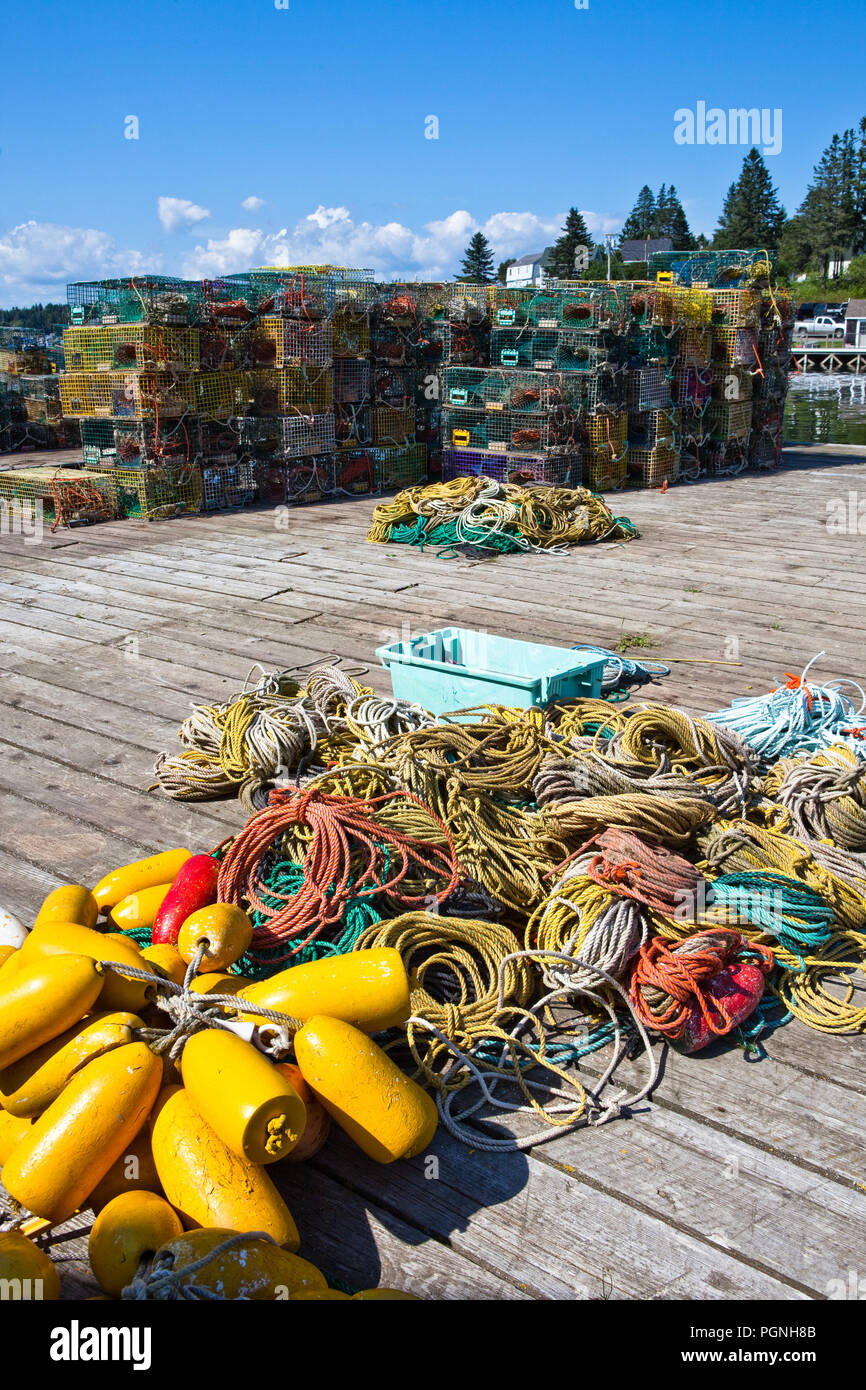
[[38, 259], [252, 204], [330, 236], [179, 212]]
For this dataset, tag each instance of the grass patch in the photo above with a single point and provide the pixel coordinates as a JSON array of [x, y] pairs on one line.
[[634, 639]]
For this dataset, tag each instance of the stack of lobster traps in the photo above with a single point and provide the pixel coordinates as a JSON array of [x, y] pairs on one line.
[[31, 417]]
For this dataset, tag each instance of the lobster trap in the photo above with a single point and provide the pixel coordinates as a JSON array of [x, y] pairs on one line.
[[220, 395], [734, 345], [735, 308], [130, 347], [525, 392], [65, 496], [648, 388], [606, 432], [154, 494], [649, 429], [602, 472], [695, 347], [729, 420], [467, 345], [356, 473], [692, 386], [672, 305], [126, 395], [396, 387], [555, 431], [154, 299], [470, 304], [563, 350], [306, 388], [298, 342], [399, 468], [716, 269], [307, 297], [352, 381], [353, 425], [732, 382], [393, 426], [303, 435], [765, 441], [724, 458], [226, 486], [408, 305], [24, 361], [649, 468], [311, 480], [139, 444], [475, 463], [351, 331]]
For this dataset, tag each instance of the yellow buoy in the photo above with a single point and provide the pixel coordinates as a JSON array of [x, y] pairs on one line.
[[71, 903], [53, 1169], [131, 1227], [369, 989], [142, 873], [253, 1107], [206, 1182], [378, 1106], [43, 999]]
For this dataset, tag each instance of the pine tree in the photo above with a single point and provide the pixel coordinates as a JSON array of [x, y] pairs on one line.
[[502, 269], [752, 214], [638, 226], [858, 244], [575, 234], [477, 265], [671, 221]]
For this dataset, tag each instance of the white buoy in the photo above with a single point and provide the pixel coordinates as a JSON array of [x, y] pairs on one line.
[[12, 931]]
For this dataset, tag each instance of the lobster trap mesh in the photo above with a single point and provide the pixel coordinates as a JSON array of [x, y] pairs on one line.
[[648, 388], [509, 432], [652, 467], [729, 420], [356, 473], [157, 493], [393, 426], [227, 486], [647, 429], [475, 463], [66, 496]]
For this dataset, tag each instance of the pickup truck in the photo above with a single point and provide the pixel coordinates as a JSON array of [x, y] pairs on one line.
[[821, 327]]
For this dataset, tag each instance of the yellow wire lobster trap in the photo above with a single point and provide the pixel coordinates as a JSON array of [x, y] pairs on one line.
[[122, 347], [154, 494]]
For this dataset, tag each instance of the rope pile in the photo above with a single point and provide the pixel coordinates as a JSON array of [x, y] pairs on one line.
[[503, 517], [241, 747], [798, 717], [559, 882]]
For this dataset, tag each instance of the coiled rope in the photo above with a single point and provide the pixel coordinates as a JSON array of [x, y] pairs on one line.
[[344, 852]]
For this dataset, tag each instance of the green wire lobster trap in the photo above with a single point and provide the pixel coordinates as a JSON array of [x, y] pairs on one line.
[[556, 431]]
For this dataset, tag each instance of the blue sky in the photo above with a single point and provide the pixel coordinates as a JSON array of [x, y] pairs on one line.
[[318, 110]]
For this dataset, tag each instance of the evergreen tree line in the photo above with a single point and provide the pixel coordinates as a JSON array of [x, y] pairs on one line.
[[828, 227]]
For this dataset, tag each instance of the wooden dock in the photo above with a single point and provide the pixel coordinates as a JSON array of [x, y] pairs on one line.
[[739, 1180]]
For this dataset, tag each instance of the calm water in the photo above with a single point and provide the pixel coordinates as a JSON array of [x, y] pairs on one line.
[[826, 409]]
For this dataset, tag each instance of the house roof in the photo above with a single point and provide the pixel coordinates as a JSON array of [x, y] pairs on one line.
[[528, 260], [642, 250], [856, 309]]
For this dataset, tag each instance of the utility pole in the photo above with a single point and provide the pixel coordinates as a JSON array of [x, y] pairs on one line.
[[608, 243]]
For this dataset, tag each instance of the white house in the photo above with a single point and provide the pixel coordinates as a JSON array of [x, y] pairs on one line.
[[527, 270]]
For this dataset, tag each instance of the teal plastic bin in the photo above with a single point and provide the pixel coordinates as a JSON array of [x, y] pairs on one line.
[[456, 667]]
